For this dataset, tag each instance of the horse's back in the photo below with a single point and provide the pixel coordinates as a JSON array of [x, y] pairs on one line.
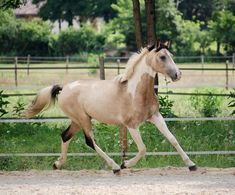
[[98, 99]]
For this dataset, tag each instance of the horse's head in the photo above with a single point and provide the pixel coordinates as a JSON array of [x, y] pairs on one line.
[[160, 59]]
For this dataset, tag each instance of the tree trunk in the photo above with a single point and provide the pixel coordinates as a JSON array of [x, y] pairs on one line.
[[138, 27], [218, 48], [59, 24], [150, 20], [151, 31], [69, 17]]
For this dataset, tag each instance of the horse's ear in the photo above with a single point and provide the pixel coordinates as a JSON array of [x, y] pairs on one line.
[[158, 43], [167, 44], [150, 47]]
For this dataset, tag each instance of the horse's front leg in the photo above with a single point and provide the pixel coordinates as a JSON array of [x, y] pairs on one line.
[[160, 123], [135, 134]]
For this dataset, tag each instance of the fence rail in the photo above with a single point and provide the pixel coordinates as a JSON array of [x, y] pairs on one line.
[[26, 61], [63, 119], [117, 154], [159, 93]]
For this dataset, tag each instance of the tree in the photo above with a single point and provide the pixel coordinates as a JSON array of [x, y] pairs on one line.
[[223, 29], [138, 26], [8, 4], [69, 9], [8, 32], [150, 20]]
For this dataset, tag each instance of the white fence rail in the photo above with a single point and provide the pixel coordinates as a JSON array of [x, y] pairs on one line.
[[117, 154], [64, 119]]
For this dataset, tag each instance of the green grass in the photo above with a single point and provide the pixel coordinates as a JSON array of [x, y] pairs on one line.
[[45, 137]]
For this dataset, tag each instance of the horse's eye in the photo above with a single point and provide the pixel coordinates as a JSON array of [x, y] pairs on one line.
[[163, 58]]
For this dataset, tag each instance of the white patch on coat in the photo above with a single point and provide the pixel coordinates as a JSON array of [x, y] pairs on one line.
[[73, 84], [141, 69]]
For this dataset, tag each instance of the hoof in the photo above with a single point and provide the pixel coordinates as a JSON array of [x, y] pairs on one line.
[[55, 167], [123, 166], [193, 168], [116, 171]]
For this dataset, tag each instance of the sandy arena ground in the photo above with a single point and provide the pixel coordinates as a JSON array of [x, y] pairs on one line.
[[135, 181]]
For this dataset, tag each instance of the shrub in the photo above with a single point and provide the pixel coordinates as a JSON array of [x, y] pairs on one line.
[[19, 108], [33, 38], [208, 106], [166, 106], [3, 104], [232, 102], [85, 39]]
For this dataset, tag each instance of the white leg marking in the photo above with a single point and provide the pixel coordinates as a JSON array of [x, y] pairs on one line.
[[160, 123], [109, 161], [64, 149], [135, 134]]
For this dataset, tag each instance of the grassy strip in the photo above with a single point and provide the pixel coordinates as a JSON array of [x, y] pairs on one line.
[[42, 137]]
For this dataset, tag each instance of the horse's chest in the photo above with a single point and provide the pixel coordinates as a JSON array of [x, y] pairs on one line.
[[140, 113]]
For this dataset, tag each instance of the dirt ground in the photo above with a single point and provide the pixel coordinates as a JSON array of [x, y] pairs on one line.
[[133, 181]]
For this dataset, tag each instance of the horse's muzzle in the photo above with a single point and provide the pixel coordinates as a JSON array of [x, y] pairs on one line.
[[175, 76]]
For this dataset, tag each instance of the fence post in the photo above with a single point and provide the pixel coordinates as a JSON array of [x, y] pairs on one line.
[[102, 72], [16, 63], [202, 62], [67, 64], [226, 67], [118, 66], [123, 142], [28, 62]]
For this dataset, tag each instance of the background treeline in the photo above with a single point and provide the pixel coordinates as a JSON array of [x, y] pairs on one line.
[[194, 26]]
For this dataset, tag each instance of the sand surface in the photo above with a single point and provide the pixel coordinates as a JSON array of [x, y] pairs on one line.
[[133, 181]]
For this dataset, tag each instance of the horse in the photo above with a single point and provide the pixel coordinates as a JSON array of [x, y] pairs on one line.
[[127, 100]]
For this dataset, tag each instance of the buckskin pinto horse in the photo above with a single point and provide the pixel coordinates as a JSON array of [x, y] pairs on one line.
[[127, 101]]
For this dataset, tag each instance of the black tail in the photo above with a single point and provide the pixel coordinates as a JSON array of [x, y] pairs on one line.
[[55, 91], [43, 100]]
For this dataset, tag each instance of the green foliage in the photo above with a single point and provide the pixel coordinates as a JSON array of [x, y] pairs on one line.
[[8, 32], [85, 39], [68, 10], [122, 27], [232, 102], [208, 106], [93, 61], [33, 38], [19, 37], [166, 106], [19, 108], [3, 104], [223, 29], [8, 4]]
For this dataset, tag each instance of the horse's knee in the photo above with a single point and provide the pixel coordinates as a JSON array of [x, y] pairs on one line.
[[89, 141]]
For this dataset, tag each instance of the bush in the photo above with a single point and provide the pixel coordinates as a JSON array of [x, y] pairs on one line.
[[232, 102], [85, 39], [8, 35], [33, 38], [20, 37], [166, 106], [3, 104], [208, 106]]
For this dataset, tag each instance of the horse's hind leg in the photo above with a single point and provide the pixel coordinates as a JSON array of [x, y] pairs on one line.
[[90, 141], [65, 140]]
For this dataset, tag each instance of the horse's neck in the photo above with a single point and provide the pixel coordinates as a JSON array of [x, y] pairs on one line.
[[142, 73]]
